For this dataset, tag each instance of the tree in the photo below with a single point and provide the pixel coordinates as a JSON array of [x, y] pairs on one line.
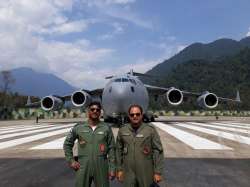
[[6, 80]]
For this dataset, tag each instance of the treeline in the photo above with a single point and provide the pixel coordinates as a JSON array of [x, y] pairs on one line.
[[223, 76], [10, 102]]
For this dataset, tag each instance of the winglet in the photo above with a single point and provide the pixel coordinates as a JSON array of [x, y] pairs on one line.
[[238, 96]]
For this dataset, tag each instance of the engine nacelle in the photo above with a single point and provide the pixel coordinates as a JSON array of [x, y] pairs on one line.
[[208, 100], [81, 99], [174, 96], [51, 103]]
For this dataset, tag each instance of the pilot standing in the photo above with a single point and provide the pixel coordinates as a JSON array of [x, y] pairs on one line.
[[96, 150], [139, 152]]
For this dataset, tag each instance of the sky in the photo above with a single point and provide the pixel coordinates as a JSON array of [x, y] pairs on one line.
[[83, 41]]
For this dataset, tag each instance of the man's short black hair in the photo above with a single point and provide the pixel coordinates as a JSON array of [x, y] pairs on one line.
[[137, 106], [95, 103]]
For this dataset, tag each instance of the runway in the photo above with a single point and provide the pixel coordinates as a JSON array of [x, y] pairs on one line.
[[198, 153]]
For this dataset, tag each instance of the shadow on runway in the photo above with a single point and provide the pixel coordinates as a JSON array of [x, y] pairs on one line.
[[179, 172]]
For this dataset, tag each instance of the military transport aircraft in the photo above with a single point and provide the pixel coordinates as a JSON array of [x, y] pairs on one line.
[[122, 91]]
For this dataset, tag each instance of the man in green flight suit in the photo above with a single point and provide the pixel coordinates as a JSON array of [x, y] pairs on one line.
[[96, 150], [139, 152]]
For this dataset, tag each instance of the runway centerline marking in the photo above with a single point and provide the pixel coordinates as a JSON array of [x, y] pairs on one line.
[[55, 144], [242, 124], [192, 140], [33, 131], [24, 129], [220, 127], [226, 135], [231, 125], [19, 141]]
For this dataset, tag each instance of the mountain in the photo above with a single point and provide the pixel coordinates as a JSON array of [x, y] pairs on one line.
[[222, 77], [30, 82], [211, 52]]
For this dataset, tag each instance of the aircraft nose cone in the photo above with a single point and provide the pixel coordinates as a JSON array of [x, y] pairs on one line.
[[120, 92], [120, 97]]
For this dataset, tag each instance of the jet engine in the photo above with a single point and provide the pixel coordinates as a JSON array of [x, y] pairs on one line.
[[208, 100], [174, 96], [80, 98], [51, 103]]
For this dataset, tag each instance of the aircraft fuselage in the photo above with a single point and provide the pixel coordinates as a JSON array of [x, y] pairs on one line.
[[121, 92]]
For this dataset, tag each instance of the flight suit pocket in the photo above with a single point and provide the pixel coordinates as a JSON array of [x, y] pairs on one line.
[[100, 136], [126, 137], [82, 142]]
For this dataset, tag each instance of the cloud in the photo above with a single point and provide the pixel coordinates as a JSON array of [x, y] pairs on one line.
[[93, 79], [107, 2], [29, 30], [118, 29], [248, 34], [65, 28], [119, 9], [21, 44], [127, 15]]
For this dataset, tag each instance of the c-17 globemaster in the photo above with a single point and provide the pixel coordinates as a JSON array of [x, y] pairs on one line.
[[122, 91]]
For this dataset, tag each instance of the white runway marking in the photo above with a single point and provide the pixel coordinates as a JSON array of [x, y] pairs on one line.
[[33, 131], [17, 127], [243, 124], [56, 144], [20, 141], [4, 127], [220, 127], [192, 140], [231, 125], [226, 135], [25, 129]]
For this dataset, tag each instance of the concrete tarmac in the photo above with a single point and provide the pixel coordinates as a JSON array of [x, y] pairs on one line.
[[199, 152]]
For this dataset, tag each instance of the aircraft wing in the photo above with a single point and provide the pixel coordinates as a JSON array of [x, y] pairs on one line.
[[78, 98], [95, 92], [175, 96], [155, 90]]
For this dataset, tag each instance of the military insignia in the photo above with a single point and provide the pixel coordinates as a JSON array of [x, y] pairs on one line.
[[102, 148], [100, 132], [146, 150], [139, 136], [82, 141], [125, 134], [85, 131]]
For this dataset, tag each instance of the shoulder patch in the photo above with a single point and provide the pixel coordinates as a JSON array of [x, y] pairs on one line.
[[151, 125]]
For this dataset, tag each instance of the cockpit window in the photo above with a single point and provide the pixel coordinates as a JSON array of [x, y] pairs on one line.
[[124, 80], [118, 80]]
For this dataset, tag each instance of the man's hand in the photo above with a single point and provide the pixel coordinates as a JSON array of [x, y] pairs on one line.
[[75, 165], [120, 176], [157, 178], [111, 175]]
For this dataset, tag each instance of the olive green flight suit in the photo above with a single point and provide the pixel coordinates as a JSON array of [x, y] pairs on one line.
[[96, 153], [139, 155]]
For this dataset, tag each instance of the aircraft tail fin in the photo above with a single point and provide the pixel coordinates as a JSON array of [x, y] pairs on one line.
[[139, 74], [133, 74]]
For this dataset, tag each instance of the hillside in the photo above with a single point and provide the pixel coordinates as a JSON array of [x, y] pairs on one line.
[[215, 50], [222, 77]]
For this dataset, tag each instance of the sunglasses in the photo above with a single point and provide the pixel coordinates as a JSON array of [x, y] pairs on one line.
[[135, 114], [95, 109]]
